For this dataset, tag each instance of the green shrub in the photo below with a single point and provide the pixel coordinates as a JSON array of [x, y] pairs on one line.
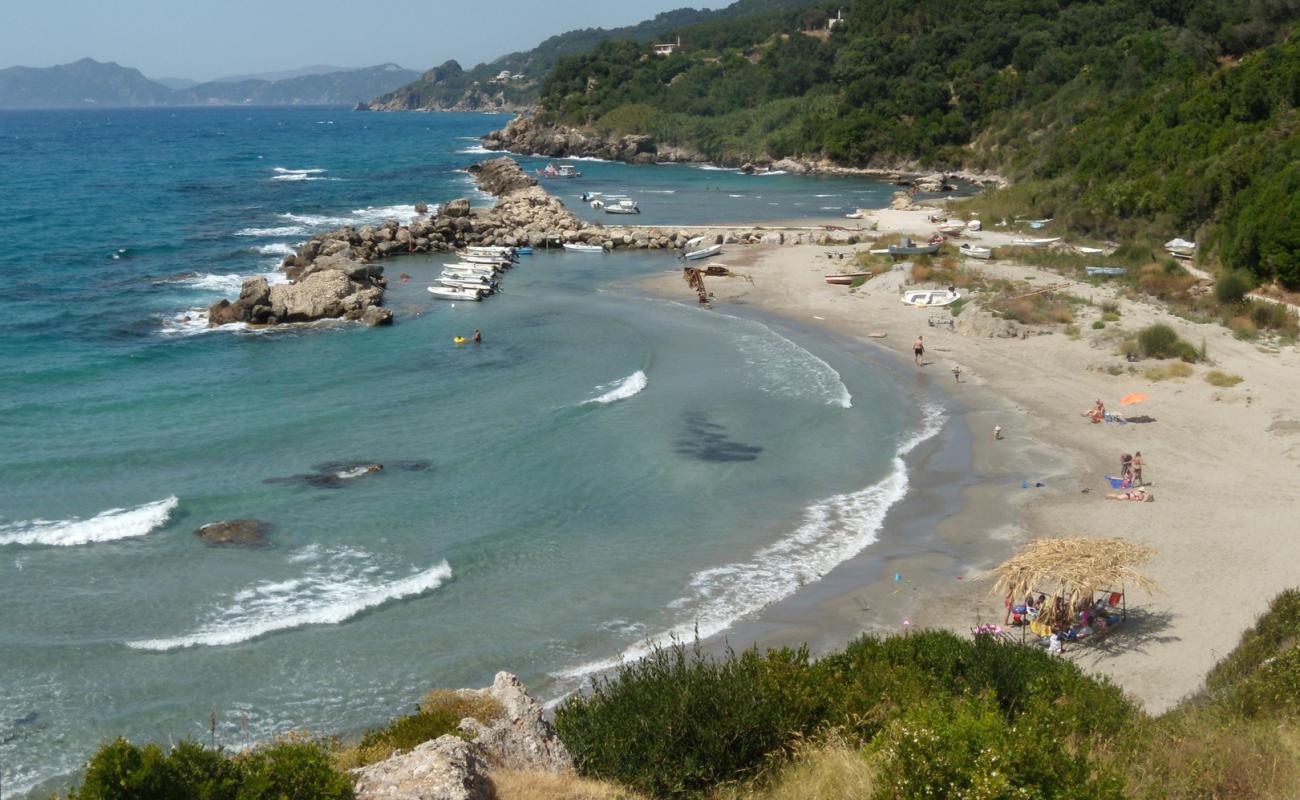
[[1098, 325], [439, 713], [1222, 379], [1232, 286], [1275, 630], [286, 770], [1162, 341]]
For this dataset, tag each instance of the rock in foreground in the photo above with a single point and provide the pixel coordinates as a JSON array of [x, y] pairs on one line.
[[235, 532], [445, 769]]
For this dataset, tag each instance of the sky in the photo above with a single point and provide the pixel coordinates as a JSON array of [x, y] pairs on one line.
[[205, 39]]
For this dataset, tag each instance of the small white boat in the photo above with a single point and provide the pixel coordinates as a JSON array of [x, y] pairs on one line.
[[953, 228], [694, 255], [974, 225], [476, 266], [695, 242], [468, 271], [975, 251], [554, 170], [1181, 248], [485, 250], [929, 297], [1037, 224], [1104, 272], [482, 258], [455, 293], [467, 283], [598, 204], [623, 207], [1089, 251], [847, 278], [584, 248], [1033, 242]]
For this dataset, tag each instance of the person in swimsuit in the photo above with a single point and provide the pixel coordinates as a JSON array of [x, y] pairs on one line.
[[478, 337], [1136, 468], [918, 350]]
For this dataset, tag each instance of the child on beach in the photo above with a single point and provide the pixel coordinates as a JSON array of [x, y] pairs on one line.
[[918, 350], [1135, 467]]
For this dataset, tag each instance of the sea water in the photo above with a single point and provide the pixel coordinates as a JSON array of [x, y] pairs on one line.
[[605, 471]]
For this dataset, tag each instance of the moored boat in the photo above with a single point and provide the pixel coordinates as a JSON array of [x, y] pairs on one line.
[[467, 283], [623, 207], [929, 297], [584, 248], [553, 170], [975, 251], [455, 293]]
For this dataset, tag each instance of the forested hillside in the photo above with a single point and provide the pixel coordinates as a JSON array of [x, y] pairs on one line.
[[1177, 114], [450, 85]]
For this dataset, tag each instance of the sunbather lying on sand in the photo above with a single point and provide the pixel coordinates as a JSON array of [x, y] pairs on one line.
[[1140, 494], [1097, 413]]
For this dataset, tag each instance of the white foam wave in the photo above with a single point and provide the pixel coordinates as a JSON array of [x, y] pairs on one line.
[[288, 171], [476, 150], [283, 230], [628, 387], [715, 168], [832, 531], [277, 249], [329, 593], [771, 172], [784, 369], [401, 213], [734, 195], [826, 195], [106, 526], [831, 208], [661, 191], [298, 176]]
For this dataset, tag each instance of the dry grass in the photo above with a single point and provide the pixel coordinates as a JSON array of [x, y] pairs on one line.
[[829, 769], [513, 784], [1222, 379], [439, 713], [1178, 369], [947, 273]]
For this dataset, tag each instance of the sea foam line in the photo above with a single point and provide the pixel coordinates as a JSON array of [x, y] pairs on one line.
[[788, 370], [630, 386], [106, 526], [832, 531], [328, 594]]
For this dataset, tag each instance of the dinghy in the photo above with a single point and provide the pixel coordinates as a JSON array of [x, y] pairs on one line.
[[928, 298], [975, 251], [953, 228], [1033, 242], [467, 284], [695, 255], [455, 293], [847, 278], [623, 207], [584, 248]]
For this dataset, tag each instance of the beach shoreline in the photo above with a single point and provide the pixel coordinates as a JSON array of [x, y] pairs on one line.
[[1212, 586]]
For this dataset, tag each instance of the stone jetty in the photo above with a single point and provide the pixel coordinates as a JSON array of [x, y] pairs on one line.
[[334, 275]]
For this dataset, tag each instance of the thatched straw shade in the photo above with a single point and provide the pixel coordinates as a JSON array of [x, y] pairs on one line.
[[1072, 568]]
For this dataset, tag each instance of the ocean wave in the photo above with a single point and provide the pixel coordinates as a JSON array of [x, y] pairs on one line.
[[372, 214], [298, 176], [832, 531], [106, 526], [289, 171], [830, 208], [332, 591], [283, 230], [826, 195], [660, 191], [715, 168], [771, 172], [277, 249], [476, 150], [785, 369], [630, 386]]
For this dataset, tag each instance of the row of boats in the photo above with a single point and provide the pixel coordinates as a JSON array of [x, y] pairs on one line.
[[478, 273], [694, 249]]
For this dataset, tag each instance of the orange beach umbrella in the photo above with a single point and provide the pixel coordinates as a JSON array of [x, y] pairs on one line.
[[1130, 399]]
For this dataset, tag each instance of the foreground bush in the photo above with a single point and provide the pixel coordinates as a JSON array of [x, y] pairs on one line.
[[1162, 341], [286, 770], [438, 714]]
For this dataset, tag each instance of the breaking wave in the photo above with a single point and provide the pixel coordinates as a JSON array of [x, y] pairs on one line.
[[630, 386], [106, 526]]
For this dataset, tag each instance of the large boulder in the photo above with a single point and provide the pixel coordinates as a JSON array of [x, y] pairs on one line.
[[317, 296], [446, 768], [456, 208], [520, 738], [234, 532]]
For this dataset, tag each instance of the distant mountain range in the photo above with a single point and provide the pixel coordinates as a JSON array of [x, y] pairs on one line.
[[88, 83]]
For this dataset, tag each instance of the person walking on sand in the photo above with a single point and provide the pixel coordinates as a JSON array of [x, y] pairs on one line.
[[918, 350], [1136, 467]]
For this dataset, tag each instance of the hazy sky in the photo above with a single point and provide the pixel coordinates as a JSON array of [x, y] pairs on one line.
[[204, 39]]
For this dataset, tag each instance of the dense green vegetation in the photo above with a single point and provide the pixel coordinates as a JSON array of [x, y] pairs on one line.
[[1114, 116]]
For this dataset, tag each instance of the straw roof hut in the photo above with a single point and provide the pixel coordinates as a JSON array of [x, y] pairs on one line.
[[1073, 568]]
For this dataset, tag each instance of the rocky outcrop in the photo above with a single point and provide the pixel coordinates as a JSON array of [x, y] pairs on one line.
[[446, 768], [235, 533], [520, 738], [526, 135]]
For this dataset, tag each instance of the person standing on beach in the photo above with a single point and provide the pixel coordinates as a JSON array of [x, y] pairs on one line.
[[1136, 467], [918, 350]]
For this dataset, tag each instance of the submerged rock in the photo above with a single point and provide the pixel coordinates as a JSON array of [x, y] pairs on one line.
[[235, 532]]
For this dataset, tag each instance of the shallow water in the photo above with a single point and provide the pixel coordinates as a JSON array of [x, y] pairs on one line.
[[604, 469]]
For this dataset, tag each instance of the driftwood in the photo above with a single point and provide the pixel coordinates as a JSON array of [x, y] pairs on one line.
[[1054, 287], [695, 279]]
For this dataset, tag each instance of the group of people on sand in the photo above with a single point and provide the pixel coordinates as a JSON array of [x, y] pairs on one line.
[[1131, 484], [1058, 622]]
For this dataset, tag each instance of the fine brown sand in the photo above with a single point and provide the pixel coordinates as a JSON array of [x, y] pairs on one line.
[[1222, 464]]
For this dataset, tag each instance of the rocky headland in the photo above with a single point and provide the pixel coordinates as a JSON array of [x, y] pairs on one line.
[[526, 135], [333, 275]]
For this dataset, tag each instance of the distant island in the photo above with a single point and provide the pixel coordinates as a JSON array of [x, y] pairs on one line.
[[94, 84]]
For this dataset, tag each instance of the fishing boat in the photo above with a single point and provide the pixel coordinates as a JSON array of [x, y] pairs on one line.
[[1029, 241], [705, 252], [457, 283], [929, 298], [1097, 272], [485, 250], [554, 170], [847, 278], [455, 293], [623, 207], [584, 248], [478, 258], [469, 271], [975, 251], [909, 248]]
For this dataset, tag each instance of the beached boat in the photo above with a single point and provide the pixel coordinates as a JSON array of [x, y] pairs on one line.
[[975, 251], [1039, 224], [929, 297], [1029, 241], [704, 252], [455, 293], [847, 278], [953, 228], [1104, 271], [623, 207], [1180, 248], [584, 248], [974, 225], [1089, 251], [554, 170], [909, 248]]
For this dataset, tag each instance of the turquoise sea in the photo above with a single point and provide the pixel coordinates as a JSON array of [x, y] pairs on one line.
[[607, 469]]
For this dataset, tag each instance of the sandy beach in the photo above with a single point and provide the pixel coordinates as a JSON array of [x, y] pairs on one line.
[[1221, 463]]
